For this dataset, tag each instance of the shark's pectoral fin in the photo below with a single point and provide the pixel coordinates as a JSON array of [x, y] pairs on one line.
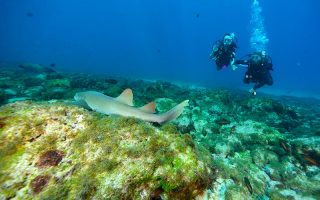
[[126, 97], [150, 107]]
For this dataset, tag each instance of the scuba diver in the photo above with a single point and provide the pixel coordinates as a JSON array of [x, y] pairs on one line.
[[258, 64], [224, 51]]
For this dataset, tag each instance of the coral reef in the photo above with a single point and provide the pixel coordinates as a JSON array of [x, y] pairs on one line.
[[225, 145], [54, 151]]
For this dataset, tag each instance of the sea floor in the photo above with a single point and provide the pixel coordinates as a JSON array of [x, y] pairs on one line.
[[290, 93], [227, 144]]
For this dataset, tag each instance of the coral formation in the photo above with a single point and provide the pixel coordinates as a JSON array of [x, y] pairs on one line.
[[54, 149], [225, 145]]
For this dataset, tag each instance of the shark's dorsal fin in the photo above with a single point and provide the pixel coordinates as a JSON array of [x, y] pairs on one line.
[[126, 97], [150, 107]]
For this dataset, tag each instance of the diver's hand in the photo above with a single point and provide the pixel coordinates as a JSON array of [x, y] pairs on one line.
[[211, 56], [234, 67], [215, 48]]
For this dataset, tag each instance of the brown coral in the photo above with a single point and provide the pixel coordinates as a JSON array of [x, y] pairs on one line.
[[2, 123], [50, 158], [39, 183]]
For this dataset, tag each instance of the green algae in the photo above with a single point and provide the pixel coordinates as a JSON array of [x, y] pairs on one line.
[[58, 83], [9, 192], [224, 141], [169, 128], [235, 191], [46, 143], [276, 195], [55, 192], [109, 157], [238, 168], [7, 160]]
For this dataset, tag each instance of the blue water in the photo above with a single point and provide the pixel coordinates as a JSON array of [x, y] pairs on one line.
[[164, 39]]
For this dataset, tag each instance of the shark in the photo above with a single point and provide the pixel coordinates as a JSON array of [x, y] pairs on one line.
[[36, 68], [123, 106]]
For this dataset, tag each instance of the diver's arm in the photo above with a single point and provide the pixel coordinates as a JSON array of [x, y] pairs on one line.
[[212, 56], [215, 49], [241, 62]]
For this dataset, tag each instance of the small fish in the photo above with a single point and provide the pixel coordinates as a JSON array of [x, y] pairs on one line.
[[228, 154], [52, 65], [285, 146], [222, 121], [233, 129], [248, 184], [311, 157], [234, 179], [310, 160], [197, 15]]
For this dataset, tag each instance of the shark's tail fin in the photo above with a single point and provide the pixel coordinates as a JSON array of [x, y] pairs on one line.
[[174, 112]]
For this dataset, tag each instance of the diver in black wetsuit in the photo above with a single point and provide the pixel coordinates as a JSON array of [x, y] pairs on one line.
[[224, 51], [259, 64]]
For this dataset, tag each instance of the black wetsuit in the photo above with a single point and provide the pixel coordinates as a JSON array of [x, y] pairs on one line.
[[224, 54], [257, 73]]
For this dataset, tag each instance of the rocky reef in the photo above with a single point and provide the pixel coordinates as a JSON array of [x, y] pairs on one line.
[[225, 145], [262, 148], [57, 151]]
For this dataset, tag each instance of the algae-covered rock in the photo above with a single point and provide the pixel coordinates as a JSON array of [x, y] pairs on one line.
[[33, 81], [164, 104], [242, 171], [252, 132], [271, 112], [58, 83], [262, 156], [58, 151], [34, 92]]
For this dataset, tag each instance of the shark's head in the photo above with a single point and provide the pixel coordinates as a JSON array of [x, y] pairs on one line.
[[91, 100], [80, 98]]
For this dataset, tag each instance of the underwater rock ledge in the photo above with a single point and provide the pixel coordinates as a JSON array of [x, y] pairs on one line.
[[59, 151]]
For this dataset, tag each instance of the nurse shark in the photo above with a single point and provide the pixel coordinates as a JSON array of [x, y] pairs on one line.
[[123, 106]]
